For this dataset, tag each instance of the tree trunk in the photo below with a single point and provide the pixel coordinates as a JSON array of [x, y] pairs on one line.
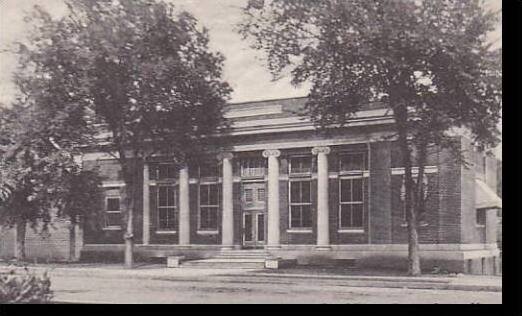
[[413, 246], [131, 180], [129, 238], [20, 240], [72, 242], [401, 120]]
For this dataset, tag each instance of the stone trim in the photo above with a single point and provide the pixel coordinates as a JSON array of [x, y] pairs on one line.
[[166, 232], [266, 110], [271, 153], [116, 183], [415, 170]]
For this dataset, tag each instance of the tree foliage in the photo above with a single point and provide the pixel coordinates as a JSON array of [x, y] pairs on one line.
[[429, 62], [40, 179], [140, 71], [26, 288], [31, 168], [431, 55]]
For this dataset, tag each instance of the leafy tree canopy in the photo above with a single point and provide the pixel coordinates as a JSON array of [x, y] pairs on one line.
[[429, 56], [426, 61], [140, 67], [135, 78]]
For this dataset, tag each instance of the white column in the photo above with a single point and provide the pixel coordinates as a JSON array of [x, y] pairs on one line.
[[184, 208], [146, 205], [323, 229], [273, 240], [227, 221]]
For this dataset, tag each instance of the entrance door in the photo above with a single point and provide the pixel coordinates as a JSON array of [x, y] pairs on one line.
[[254, 208], [253, 229]]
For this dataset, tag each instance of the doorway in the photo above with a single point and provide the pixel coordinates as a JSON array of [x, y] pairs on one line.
[[254, 208]]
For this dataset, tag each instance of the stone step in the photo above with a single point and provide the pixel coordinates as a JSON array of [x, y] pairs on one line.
[[222, 263], [238, 260], [242, 255], [245, 251], [225, 266]]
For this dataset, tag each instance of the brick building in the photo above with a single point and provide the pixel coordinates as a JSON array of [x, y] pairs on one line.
[[273, 182]]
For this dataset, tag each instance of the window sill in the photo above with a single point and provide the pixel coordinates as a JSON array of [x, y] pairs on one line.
[[480, 226], [251, 177], [166, 232], [351, 231], [300, 174], [355, 174], [421, 224], [208, 232], [299, 231], [111, 228]]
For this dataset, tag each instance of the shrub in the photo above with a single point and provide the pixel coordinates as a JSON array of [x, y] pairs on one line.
[[24, 288]]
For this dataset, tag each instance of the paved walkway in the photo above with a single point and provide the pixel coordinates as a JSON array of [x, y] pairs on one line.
[[355, 279], [259, 290]]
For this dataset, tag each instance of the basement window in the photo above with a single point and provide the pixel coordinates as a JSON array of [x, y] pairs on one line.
[[481, 217]]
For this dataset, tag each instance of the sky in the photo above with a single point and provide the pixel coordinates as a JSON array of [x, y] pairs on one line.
[[244, 67]]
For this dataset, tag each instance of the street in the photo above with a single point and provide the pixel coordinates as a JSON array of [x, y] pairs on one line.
[[88, 289]]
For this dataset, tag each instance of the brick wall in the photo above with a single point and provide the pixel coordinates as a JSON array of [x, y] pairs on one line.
[[111, 171], [7, 242], [449, 198], [380, 193], [283, 211], [491, 172], [470, 233], [52, 245], [429, 220], [238, 215], [49, 246], [383, 209]]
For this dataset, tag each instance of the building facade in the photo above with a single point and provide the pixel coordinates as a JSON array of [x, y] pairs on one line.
[[273, 182]]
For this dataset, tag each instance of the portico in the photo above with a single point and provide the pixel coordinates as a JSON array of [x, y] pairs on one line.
[[266, 206]]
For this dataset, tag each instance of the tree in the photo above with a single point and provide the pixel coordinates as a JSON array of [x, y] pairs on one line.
[[428, 62], [41, 130], [39, 177], [147, 75]]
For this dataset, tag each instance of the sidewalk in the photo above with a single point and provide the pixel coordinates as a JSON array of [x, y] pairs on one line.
[[160, 272]]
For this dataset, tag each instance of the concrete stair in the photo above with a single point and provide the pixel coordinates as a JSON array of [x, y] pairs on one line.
[[233, 259]]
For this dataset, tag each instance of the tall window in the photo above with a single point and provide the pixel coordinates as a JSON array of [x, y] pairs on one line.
[[112, 212], [208, 206], [351, 203], [351, 189], [167, 208], [300, 204]]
